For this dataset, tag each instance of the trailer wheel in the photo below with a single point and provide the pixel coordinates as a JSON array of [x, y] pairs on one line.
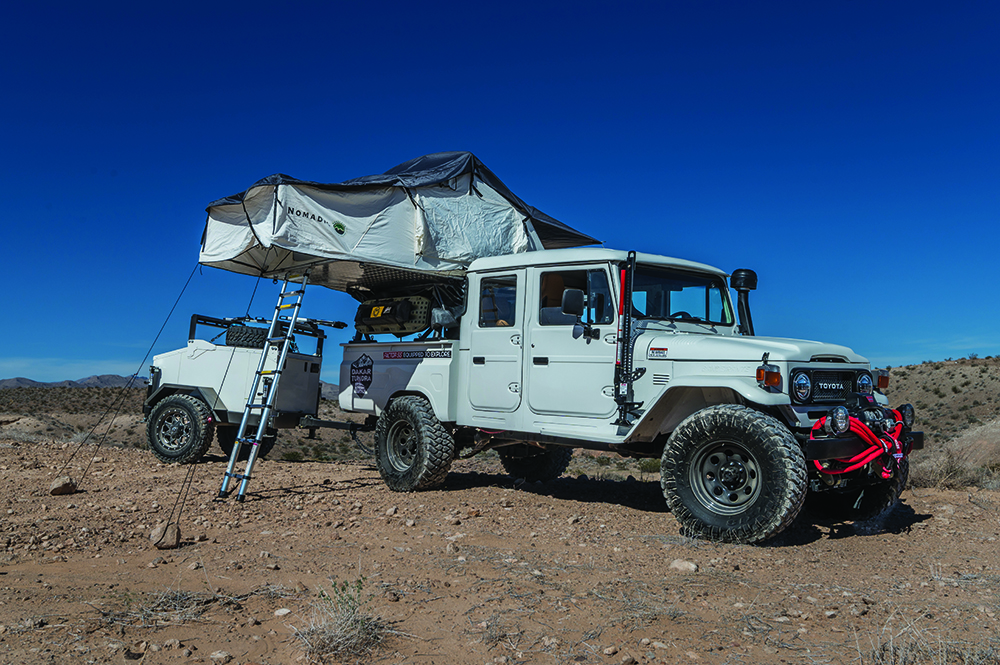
[[861, 503], [733, 474], [226, 436], [246, 337], [544, 466], [180, 429], [413, 451]]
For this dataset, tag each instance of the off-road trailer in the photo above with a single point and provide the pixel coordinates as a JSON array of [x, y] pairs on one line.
[[201, 391], [522, 343]]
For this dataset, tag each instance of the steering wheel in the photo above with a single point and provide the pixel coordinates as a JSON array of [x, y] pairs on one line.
[[681, 315]]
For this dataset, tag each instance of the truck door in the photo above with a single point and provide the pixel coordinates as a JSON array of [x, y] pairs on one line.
[[496, 342], [567, 375]]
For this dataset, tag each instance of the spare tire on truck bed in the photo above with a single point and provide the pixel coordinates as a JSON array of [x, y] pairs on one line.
[[246, 337]]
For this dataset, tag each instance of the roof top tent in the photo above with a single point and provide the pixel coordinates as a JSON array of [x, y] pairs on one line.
[[421, 222]]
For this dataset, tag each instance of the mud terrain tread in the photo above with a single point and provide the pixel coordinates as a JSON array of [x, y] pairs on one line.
[[545, 466], [246, 337], [435, 446], [783, 488], [201, 421], [874, 501]]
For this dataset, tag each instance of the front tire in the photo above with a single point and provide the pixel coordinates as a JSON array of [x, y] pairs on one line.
[[544, 466], [732, 474], [180, 429], [413, 450]]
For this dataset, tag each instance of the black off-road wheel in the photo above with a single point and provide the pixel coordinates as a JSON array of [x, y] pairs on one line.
[[180, 429], [861, 503], [226, 436], [543, 466], [732, 474], [413, 450]]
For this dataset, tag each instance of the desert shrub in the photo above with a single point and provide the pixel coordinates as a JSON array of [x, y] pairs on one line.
[[649, 465], [341, 626]]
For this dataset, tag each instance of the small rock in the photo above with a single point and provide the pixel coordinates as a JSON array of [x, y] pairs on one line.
[[194, 566], [660, 645], [573, 520], [221, 657], [392, 511], [830, 614], [273, 566], [645, 641], [610, 651], [62, 485], [392, 597], [628, 660], [172, 643], [284, 611], [684, 566], [166, 536]]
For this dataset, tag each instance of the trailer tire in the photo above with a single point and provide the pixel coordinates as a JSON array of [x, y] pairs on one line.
[[733, 474], [862, 503], [180, 429], [246, 337], [413, 450], [544, 466], [226, 436]]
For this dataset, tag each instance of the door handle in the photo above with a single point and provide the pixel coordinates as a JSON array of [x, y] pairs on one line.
[[479, 360], [540, 360]]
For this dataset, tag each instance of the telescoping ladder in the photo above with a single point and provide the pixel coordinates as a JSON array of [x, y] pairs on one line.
[[264, 389]]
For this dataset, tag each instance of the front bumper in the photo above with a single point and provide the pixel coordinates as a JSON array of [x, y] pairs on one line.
[[846, 447]]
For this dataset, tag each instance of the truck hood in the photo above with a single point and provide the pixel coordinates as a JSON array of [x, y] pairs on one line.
[[742, 349]]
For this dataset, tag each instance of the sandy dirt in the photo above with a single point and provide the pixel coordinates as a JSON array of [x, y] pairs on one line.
[[578, 570]]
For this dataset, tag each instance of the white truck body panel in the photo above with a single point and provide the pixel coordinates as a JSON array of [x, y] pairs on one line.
[[202, 363]]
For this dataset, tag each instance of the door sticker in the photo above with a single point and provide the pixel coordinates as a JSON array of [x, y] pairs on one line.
[[361, 374]]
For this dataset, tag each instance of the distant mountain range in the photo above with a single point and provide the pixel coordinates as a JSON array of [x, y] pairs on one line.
[[329, 390], [102, 381]]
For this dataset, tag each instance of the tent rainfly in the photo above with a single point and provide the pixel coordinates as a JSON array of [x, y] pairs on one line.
[[430, 216]]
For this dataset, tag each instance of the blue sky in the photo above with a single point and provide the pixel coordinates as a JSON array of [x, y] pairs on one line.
[[848, 152]]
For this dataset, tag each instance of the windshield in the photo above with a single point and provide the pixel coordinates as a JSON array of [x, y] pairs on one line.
[[659, 293]]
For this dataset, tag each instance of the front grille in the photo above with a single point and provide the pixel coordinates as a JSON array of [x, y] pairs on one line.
[[831, 386]]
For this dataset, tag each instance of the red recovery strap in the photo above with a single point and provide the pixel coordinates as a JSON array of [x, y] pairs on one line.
[[877, 446]]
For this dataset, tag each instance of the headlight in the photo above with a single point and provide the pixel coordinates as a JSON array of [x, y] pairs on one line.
[[865, 383], [908, 414], [801, 386], [838, 420]]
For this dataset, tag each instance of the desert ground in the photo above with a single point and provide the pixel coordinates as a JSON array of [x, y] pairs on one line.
[[590, 568]]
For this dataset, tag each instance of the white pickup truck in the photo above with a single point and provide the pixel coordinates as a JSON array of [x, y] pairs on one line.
[[539, 357]]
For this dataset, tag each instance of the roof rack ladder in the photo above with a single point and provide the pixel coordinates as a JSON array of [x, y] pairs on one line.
[[264, 389]]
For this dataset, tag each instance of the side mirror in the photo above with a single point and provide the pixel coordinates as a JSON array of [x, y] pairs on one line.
[[572, 302]]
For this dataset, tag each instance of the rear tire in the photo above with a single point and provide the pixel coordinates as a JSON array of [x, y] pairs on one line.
[[733, 474], [862, 503], [544, 466], [413, 450], [226, 436], [180, 429]]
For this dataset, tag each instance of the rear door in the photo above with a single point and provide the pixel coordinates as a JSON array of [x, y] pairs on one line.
[[496, 342]]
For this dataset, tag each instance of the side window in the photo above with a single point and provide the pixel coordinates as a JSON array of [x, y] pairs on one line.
[[598, 307], [497, 302]]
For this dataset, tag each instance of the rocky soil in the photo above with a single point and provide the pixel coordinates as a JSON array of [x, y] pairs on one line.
[[578, 570]]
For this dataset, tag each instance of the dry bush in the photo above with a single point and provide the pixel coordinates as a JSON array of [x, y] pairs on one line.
[[913, 646], [341, 626]]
